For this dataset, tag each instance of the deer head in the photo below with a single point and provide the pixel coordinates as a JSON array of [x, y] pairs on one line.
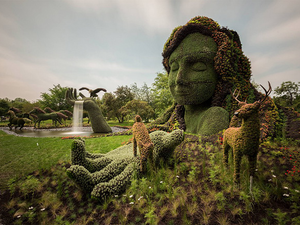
[[246, 109]]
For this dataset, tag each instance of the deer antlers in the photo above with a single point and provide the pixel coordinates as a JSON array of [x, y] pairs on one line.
[[236, 97], [267, 92], [261, 101]]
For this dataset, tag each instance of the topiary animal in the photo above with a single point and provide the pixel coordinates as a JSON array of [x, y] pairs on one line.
[[244, 140], [141, 139]]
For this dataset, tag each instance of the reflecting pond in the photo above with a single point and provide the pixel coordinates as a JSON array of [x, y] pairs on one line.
[[56, 132]]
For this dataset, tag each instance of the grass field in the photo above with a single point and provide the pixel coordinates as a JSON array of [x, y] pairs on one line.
[[199, 190], [22, 155]]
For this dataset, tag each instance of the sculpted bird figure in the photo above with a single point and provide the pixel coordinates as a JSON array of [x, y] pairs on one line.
[[93, 93]]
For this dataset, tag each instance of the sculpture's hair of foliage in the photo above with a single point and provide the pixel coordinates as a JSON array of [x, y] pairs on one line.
[[291, 128], [141, 139], [231, 65]]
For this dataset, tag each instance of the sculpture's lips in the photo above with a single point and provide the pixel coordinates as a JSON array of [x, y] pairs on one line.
[[185, 88]]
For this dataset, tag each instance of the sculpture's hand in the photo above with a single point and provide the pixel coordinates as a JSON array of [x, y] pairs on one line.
[[98, 122], [71, 97]]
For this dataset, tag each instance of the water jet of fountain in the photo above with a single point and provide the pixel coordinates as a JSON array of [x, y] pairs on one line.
[[77, 116]]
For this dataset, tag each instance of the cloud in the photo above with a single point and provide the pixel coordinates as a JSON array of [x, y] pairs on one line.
[[24, 79], [149, 16], [279, 34], [276, 78], [100, 65]]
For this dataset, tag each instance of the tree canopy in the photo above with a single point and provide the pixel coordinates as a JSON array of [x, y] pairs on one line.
[[288, 95], [55, 99]]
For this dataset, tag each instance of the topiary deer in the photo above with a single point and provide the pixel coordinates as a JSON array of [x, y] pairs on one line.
[[244, 140], [141, 139]]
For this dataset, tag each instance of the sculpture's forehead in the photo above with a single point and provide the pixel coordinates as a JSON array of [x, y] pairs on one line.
[[195, 44]]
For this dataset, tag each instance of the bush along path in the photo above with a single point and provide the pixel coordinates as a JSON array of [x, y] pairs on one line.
[[195, 189]]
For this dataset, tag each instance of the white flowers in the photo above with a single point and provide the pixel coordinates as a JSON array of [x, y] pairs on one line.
[[177, 176], [285, 188], [150, 187], [273, 175], [130, 196], [140, 198], [161, 182], [43, 209], [297, 191], [131, 203], [30, 208], [286, 195], [116, 196]]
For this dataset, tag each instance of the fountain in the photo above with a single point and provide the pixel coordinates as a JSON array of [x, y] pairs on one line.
[[77, 117]]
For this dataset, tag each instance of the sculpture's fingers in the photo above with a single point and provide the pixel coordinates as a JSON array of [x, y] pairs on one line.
[[75, 94], [82, 95]]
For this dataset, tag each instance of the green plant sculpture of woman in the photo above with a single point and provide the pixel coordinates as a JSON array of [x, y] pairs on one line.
[[204, 63], [192, 82]]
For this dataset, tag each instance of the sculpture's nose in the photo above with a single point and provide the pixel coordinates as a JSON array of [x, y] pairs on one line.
[[179, 77]]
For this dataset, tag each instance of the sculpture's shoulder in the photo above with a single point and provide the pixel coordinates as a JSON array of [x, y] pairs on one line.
[[217, 112], [215, 119]]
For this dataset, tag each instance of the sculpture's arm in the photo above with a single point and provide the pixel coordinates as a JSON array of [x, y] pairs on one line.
[[98, 122]]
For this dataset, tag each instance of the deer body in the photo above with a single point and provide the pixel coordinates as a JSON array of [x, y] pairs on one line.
[[243, 140], [141, 139]]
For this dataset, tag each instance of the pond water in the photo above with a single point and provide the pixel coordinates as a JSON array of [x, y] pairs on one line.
[[56, 132]]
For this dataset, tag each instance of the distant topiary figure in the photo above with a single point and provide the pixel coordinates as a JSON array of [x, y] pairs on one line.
[[99, 124], [204, 63], [14, 120], [104, 175], [42, 115], [141, 140], [93, 93], [244, 140]]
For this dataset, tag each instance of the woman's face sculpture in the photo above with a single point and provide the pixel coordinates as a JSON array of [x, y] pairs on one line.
[[192, 78]]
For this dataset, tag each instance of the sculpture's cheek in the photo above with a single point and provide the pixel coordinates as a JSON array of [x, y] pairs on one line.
[[193, 94]]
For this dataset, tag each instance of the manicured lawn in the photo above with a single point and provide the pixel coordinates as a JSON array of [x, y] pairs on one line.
[[22, 155]]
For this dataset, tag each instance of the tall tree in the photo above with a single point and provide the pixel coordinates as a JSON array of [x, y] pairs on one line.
[[288, 94], [143, 94], [161, 93], [113, 103], [4, 107], [138, 107], [55, 99]]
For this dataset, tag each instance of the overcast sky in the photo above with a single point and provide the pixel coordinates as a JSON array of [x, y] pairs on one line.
[[111, 43]]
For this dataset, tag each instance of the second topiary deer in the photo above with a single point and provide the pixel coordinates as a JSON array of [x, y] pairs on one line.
[[244, 140]]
